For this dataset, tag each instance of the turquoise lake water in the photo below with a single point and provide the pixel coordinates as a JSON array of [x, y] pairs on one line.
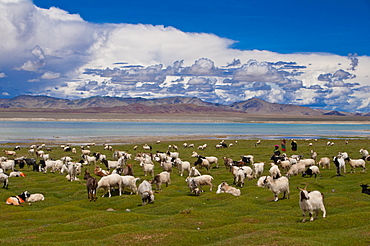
[[21, 131]]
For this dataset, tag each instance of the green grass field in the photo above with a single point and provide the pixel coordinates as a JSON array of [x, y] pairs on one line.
[[66, 217]]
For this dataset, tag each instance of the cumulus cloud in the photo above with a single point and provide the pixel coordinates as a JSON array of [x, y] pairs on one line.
[[85, 59]]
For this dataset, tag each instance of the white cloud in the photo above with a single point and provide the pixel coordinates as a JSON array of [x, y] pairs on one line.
[[50, 75]]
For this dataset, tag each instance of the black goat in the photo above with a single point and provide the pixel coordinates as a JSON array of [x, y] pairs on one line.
[[365, 189]]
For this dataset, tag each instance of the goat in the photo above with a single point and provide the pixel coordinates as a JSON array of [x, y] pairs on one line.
[[239, 177], [130, 182], [364, 153], [295, 169], [110, 181], [35, 197], [228, 162], [200, 181], [100, 172], [181, 165], [7, 165], [10, 153], [128, 170], [91, 186], [163, 177], [356, 163], [225, 188], [258, 169], [146, 193], [248, 159], [147, 168], [340, 164], [308, 162], [18, 200], [312, 170], [72, 171], [277, 186], [324, 162], [4, 178], [166, 166], [274, 171], [365, 189], [194, 172], [202, 162], [311, 202]]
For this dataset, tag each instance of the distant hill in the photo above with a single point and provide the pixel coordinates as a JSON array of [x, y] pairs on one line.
[[161, 105]]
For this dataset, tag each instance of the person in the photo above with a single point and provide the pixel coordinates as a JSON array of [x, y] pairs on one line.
[[283, 145], [294, 145], [276, 151]]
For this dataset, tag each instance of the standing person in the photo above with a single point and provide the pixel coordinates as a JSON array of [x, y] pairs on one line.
[[294, 145], [283, 145]]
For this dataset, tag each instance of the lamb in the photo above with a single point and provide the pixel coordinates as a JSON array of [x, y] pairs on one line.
[[258, 169], [110, 181], [4, 178], [35, 197], [200, 181], [274, 171], [356, 163], [146, 193], [130, 182], [324, 162], [147, 168], [311, 202], [296, 169], [278, 186], [163, 177], [225, 188], [312, 170]]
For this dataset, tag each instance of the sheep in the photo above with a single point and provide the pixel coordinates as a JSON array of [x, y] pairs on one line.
[[356, 163], [200, 181], [225, 188], [365, 189], [35, 197], [86, 152], [312, 170], [194, 172], [295, 169], [274, 171], [45, 165], [146, 193], [182, 166], [7, 165], [239, 177], [210, 159], [172, 154], [89, 159], [284, 164], [110, 164], [130, 182], [4, 178], [163, 177], [203, 162], [166, 166], [110, 181], [311, 202], [277, 186], [246, 171], [258, 169], [308, 162], [18, 200], [324, 162], [147, 168]]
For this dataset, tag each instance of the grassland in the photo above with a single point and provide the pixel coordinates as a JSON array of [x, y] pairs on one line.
[[66, 217]]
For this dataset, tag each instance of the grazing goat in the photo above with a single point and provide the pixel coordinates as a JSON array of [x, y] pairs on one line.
[[202, 162], [340, 164], [277, 186], [91, 186], [228, 162], [10, 153], [295, 169], [18, 200], [4, 178], [311, 202], [130, 182], [128, 170], [356, 163], [225, 188], [146, 193], [166, 166], [35, 197], [163, 177], [7, 165], [312, 170], [365, 189], [199, 181], [248, 159], [308, 162], [181, 165], [324, 162], [110, 181]]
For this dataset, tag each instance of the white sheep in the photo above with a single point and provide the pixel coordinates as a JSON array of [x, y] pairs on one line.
[[147, 168], [278, 186], [146, 193], [258, 169], [35, 197], [311, 202], [324, 162], [225, 188], [356, 163], [110, 181], [159, 179]]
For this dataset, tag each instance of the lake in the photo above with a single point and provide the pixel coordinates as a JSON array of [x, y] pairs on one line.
[[23, 131]]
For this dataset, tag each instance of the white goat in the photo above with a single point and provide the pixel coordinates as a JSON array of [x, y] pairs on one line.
[[340, 163], [163, 177], [194, 172], [147, 168], [278, 186], [308, 162], [312, 170], [182, 166], [72, 171], [295, 169], [260, 181], [166, 166], [7, 165], [274, 171], [258, 169], [146, 193], [239, 177], [201, 181], [356, 163], [364, 153], [35, 197], [311, 202], [130, 182], [225, 188], [324, 162], [110, 181]]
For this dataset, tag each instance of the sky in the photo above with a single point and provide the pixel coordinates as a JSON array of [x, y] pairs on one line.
[[309, 53]]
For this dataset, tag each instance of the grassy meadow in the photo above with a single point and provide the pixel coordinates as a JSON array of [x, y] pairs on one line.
[[66, 217]]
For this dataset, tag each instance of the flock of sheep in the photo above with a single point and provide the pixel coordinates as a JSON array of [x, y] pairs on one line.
[[119, 173]]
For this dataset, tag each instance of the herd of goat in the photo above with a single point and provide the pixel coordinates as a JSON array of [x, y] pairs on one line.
[[120, 174]]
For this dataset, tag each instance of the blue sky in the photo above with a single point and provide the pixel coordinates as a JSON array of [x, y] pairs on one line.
[[313, 53], [339, 27]]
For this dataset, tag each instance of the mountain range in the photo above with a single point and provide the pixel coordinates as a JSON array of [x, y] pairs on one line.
[[161, 105]]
